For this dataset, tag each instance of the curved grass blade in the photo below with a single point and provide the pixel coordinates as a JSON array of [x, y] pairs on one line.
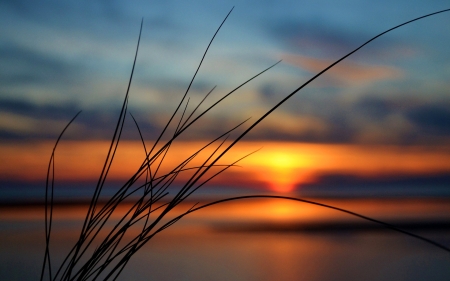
[[49, 209]]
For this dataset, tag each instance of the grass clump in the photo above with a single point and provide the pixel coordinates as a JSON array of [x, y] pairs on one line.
[[105, 246]]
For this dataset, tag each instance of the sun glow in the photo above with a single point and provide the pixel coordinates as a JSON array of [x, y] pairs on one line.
[[282, 160], [282, 169], [280, 166]]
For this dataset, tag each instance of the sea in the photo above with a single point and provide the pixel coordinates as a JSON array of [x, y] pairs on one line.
[[256, 239]]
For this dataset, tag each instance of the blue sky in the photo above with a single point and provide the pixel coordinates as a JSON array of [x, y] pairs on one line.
[[58, 57]]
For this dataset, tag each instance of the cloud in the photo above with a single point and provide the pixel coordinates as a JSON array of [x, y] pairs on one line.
[[373, 116], [67, 13], [375, 107], [346, 73], [21, 65], [326, 38], [22, 120], [431, 119], [369, 119], [13, 126], [314, 36]]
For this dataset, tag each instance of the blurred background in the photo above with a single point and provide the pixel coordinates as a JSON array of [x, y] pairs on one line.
[[371, 135]]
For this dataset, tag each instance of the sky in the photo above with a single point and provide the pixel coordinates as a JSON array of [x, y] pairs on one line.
[[370, 115]]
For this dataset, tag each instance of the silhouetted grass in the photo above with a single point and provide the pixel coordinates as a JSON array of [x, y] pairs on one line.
[[103, 249]]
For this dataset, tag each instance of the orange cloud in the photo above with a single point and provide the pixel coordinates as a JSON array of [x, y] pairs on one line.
[[278, 165], [346, 72]]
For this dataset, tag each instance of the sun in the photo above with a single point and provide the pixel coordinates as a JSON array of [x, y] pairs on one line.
[[282, 160], [282, 168]]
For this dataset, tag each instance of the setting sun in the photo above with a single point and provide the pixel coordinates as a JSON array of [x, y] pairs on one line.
[[281, 160], [280, 167], [282, 170]]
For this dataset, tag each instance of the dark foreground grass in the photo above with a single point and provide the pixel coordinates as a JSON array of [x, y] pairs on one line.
[[106, 245]]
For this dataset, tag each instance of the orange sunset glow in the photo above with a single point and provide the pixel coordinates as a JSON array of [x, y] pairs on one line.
[[281, 167], [197, 140]]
